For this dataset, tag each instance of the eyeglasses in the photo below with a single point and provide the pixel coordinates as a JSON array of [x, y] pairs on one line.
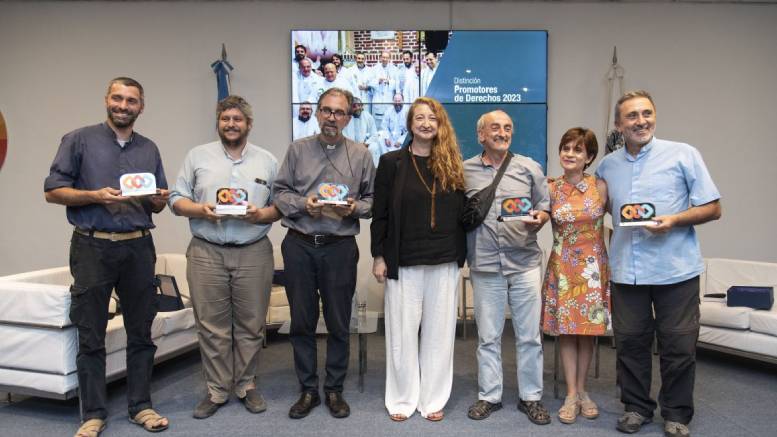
[[326, 112]]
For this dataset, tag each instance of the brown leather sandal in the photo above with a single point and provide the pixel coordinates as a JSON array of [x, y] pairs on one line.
[[398, 417], [150, 420], [91, 428]]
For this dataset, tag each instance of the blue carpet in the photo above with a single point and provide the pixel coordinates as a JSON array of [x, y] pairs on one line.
[[734, 397]]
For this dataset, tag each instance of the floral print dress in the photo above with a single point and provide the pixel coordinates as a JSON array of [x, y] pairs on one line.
[[576, 291]]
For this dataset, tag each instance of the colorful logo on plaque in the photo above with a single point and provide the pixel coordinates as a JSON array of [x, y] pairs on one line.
[[332, 192], [637, 212], [516, 206], [232, 196], [137, 184]]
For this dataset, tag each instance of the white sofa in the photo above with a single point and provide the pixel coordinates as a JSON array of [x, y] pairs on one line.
[[39, 343], [738, 330]]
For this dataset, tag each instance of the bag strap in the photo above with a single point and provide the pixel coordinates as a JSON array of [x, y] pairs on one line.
[[501, 171]]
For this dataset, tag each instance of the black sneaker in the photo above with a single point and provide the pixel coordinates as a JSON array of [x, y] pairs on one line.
[[631, 422]]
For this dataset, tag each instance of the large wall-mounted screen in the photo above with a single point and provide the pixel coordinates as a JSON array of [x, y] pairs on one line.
[[470, 72]]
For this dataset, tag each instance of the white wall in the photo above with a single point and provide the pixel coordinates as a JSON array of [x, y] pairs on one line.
[[711, 69]]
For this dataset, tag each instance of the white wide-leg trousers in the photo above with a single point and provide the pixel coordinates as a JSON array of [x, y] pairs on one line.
[[419, 368]]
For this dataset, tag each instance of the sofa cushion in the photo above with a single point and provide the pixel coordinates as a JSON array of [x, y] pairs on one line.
[[764, 322], [49, 350], [278, 296], [116, 336], [718, 314], [34, 304], [739, 339], [175, 321], [723, 273]]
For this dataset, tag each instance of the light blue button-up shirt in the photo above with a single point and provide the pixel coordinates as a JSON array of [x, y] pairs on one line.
[[208, 168], [673, 177]]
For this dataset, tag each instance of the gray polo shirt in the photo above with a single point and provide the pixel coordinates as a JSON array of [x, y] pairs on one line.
[[308, 163], [505, 246]]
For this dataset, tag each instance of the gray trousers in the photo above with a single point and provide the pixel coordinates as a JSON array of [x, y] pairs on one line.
[[230, 291]]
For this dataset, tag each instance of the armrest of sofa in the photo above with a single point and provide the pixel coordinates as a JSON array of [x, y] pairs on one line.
[[34, 304]]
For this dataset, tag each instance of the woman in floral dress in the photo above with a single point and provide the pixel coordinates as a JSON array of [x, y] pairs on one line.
[[576, 291]]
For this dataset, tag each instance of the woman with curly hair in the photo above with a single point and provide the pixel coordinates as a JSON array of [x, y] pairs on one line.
[[418, 245], [576, 292]]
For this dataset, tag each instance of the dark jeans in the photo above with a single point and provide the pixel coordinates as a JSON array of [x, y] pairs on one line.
[[97, 267], [671, 313], [327, 271]]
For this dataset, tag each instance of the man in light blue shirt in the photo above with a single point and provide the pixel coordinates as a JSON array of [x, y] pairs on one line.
[[655, 269], [229, 259], [362, 129]]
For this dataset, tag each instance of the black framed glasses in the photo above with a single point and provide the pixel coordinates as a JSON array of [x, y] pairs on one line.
[[339, 113]]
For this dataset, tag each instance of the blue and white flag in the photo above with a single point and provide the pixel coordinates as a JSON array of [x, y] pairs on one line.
[[222, 68]]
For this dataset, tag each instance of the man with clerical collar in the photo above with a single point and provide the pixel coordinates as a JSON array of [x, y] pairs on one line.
[[319, 251], [229, 265], [360, 77], [403, 68], [362, 129], [304, 125], [505, 264], [654, 269], [305, 84], [384, 85], [300, 53], [394, 125], [332, 79], [111, 248]]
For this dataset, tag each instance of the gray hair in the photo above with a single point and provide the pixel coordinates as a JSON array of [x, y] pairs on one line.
[[632, 95], [481, 124]]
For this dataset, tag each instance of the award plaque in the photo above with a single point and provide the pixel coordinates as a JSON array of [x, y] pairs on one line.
[[515, 208], [332, 194], [638, 214], [231, 201], [137, 184]]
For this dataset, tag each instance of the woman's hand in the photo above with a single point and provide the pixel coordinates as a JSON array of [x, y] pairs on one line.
[[379, 269]]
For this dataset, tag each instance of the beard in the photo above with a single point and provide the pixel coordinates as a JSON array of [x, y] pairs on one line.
[[304, 118], [329, 130], [122, 123], [233, 143]]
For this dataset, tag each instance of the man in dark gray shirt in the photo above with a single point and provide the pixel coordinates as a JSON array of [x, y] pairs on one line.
[[319, 251], [111, 247]]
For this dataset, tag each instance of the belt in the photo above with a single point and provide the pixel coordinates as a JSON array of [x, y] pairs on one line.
[[318, 240], [228, 244], [113, 236]]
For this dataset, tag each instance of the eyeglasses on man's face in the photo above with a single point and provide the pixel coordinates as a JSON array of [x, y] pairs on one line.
[[327, 112]]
